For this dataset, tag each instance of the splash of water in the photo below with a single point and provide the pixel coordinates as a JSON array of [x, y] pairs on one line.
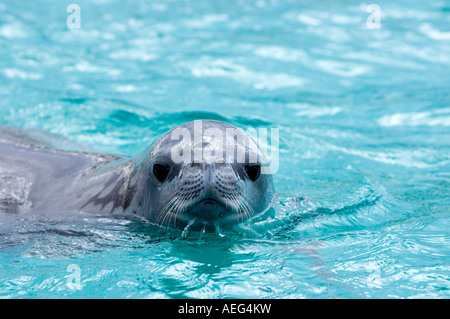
[[219, 231], [186, 229]]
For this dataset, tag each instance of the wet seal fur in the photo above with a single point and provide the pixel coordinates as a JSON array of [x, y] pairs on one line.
[[177, 182]]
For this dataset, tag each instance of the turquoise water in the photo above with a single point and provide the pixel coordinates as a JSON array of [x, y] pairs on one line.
[[363, 209]]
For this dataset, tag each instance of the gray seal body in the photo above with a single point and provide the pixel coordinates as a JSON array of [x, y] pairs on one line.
[[201, 173]]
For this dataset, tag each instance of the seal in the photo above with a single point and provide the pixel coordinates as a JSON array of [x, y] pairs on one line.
[[203, 173]]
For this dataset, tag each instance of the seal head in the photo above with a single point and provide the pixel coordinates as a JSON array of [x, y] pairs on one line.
[[201, 173]]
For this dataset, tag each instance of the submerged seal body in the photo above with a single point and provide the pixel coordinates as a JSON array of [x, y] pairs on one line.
[[201, 173]]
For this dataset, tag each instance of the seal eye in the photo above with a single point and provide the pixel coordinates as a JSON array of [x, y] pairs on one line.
[[253, 172], [160, 172]]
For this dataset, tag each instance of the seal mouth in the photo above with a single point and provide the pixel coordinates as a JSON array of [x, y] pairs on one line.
[[209, 202], [208, 209]]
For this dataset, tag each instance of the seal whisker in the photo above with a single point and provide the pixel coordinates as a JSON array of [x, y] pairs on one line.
[[247, 210], [166, 210], [176, 209], [235, 200]]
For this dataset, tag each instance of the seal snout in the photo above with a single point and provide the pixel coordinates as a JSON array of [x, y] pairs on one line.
[[211, 188]]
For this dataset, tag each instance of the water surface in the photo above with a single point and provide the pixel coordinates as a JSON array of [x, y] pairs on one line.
[[364, 117]]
